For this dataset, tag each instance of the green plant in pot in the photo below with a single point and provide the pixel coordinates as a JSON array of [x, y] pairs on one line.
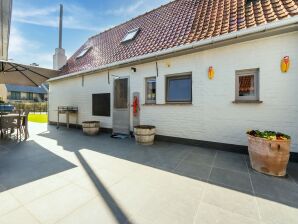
[[269, 151]]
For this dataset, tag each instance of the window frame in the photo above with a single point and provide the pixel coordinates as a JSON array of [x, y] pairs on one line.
[[178, 76], [246, 72], [126, 104], [29, 96], [15, 95], [147, 101], [135, 31], [83, 52]]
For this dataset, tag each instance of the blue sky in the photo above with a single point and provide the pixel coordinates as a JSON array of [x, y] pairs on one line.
[[34, 32]]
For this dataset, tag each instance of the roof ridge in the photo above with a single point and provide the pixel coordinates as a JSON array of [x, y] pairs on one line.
[[134, 18], [177, 23]]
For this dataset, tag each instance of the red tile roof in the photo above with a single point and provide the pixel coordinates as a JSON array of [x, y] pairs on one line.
[[246, 83], [178, 23]]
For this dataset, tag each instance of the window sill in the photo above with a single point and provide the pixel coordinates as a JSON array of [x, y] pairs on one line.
[[167, 104], [247, 101]]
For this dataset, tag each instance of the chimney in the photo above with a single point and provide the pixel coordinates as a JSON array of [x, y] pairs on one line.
[[5, 20], [59, 58]]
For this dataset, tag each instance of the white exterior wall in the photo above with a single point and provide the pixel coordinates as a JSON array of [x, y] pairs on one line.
[[212, 115]]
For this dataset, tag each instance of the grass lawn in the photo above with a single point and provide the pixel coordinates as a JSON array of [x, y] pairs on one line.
[[39, 118]]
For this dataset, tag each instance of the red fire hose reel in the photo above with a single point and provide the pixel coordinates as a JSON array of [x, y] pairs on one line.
[[136, 106]]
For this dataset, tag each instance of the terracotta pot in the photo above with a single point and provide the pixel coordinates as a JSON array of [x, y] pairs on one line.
[[90, 127], [144, 134], [269, 156]]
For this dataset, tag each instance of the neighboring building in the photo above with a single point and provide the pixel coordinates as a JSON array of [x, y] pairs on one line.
[[24, 93], [164, 56]]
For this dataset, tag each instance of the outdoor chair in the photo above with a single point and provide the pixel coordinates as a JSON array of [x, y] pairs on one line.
[[16, 121], [24, 124], [9, 125]]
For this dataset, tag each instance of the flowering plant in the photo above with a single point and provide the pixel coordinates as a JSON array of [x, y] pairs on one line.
[[270, 135]]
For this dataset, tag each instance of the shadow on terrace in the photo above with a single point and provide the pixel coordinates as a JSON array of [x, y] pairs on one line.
[[21, 163], [229, 170]]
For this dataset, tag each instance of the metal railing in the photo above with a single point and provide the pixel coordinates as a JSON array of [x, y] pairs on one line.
[[34, 107]]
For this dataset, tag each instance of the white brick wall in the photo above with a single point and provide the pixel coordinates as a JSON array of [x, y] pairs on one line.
[[212, 116]]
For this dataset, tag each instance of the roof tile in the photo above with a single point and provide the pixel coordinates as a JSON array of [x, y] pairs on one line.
[[177, 23]]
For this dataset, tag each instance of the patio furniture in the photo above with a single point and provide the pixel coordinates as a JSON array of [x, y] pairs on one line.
[[67, 110], [9, 124], [4, 108], [24, 124], [15, 121], [24, 75]]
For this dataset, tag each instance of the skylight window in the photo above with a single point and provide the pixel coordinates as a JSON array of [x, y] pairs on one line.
[[131, 35], [83, 52]]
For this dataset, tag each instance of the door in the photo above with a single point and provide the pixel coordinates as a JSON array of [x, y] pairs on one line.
[[121, 113]]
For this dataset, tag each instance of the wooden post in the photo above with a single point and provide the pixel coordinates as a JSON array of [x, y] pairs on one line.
[[67, 118]]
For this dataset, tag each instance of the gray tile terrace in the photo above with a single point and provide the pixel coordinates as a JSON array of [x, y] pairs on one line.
[[62, 176]]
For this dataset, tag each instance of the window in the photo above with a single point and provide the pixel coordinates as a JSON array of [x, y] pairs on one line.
[[15, 95], [121, 93], [131, 35], [83, 52], [101, 104], [29, 96], [179, 89], [42, 96], [247, 84], [150, 90]]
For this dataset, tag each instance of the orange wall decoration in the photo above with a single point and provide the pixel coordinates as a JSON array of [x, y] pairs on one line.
[[285, 64], [210, 72]]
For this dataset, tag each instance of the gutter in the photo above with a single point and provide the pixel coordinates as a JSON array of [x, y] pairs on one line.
[[156, 55]]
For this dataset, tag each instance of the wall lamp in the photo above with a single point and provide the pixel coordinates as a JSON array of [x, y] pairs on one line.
[[115, 76], [133, 69]]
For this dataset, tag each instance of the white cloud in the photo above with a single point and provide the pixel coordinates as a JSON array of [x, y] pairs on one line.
[[136, 8], [17, 42], [126, 10], [75, 17], [27, 51]]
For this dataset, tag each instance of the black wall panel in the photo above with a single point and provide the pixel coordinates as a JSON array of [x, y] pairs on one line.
[[101, 104]]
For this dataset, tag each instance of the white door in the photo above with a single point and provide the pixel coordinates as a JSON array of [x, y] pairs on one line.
[[121, 112]]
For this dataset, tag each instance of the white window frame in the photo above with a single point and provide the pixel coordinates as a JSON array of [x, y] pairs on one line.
[[135, 33], [255, 72], [148, 101], [83, 52], [178, 76]]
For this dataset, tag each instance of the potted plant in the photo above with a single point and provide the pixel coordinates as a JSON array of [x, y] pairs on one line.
[[144, 134], [90, 127], [269, 151]]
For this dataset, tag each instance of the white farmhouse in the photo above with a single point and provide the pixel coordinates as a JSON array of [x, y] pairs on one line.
[[204, 71]]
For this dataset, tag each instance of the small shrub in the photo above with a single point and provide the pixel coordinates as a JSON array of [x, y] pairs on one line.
[[31, 106], [270, 135]]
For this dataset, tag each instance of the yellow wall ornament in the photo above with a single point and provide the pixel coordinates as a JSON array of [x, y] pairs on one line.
[[210, 72], [285, 64]]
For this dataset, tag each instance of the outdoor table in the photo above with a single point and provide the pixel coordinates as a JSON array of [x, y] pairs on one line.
[[67, 110], [17, 116]]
